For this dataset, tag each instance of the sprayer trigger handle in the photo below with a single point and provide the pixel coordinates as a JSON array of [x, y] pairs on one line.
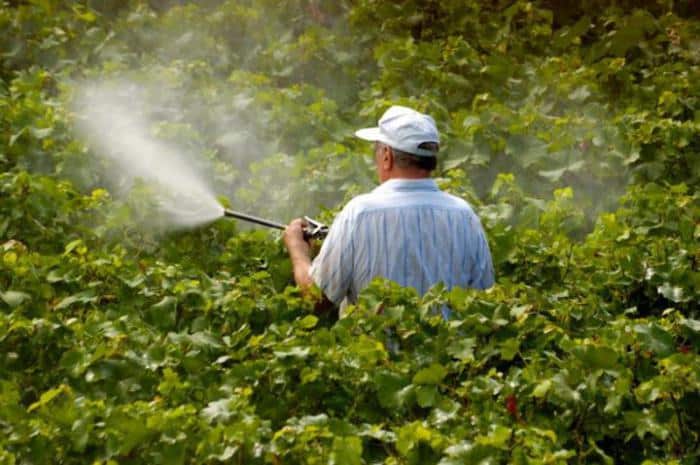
[[314, 229]]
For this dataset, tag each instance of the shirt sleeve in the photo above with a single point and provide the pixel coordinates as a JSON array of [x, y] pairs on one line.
[[332, 268], [482, 273], [484, 276]]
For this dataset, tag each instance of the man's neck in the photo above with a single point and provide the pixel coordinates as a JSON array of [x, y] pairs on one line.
[[408, 174]]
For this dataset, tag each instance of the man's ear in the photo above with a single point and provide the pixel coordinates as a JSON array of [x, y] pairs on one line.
[[387, 158]]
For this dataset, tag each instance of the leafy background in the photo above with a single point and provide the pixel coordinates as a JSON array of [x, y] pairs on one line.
[[572, 129]]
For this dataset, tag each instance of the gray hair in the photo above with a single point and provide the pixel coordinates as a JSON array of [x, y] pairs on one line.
[[409, 160]]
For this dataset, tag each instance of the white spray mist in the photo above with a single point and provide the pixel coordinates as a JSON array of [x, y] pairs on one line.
[[111, 119]]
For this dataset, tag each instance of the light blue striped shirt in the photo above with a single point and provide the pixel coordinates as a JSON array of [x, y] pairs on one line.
[[408, 231]]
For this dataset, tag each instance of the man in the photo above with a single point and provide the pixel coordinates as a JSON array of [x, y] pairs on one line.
[[406, 230]]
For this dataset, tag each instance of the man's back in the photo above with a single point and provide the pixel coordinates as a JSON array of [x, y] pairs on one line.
[[408, 231], [405, 230]]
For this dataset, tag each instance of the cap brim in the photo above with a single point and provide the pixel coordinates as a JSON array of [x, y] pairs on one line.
[[370, 134]]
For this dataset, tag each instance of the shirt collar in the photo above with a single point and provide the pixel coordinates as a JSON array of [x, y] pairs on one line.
[[407, 185]]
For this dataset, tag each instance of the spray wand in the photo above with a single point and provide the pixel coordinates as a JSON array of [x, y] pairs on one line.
[[313, 229]]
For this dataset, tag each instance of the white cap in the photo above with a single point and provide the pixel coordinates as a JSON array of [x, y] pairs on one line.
[[403, 129]]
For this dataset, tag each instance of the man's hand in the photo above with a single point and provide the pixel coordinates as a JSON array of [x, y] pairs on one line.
[[294, 239], [299, 253]]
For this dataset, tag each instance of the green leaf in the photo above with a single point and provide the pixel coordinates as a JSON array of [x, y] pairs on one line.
[[71, 246], [580, 94], [411, 435], [227, 453], [597, 358], [164, 313], [562, 392], [471, 121], [509, 348], [427, 395], [42, 133], [308, 322], [48, 396], [87, 16], [294, 352], [542, 389], [498, 437], [434, 374], [204, 340], [466, 452], [555, 175], [645, 423], [693, 325], [652, 390], [135, 282], [527, 150], [15, 298], [80, 433], [456, 162], [569, 34], [174, 454], [655, 339], [673, 293], [75, 362], [314, 420], [217, 410], [463, 349], [390, 389], [57, 276], [346, 450], [15, 136], [547, 433], [84, 297]]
